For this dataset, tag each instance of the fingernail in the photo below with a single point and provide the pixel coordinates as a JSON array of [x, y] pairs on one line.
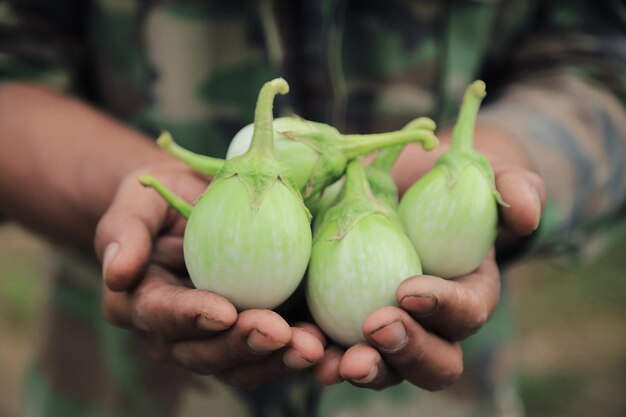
[[537, 198], [260, 342], [391, 336], [109, 254], [420, 304], [369, 377], [292, 359], [212, 325]]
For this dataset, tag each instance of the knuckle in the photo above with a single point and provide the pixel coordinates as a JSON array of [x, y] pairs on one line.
[[446, 379], [193, 362], [146, 311], [476, 321]]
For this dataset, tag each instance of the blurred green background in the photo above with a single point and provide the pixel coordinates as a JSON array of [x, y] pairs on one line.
[[572, 327]]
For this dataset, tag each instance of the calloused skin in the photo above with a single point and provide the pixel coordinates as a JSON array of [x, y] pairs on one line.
[[417, 340]]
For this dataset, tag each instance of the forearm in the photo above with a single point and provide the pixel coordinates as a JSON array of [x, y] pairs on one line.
[[61, 162]]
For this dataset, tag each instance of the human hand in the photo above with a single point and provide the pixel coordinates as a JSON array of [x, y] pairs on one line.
[[202, 332], [139, 240], [521, 188], [417, 340]]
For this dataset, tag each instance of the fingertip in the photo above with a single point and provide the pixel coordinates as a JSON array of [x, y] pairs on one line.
[[125, 266], [314, 330], [360, 364], [267, 323], [305, 350], [219, 316], [307, 344], [418, 284], [522, 190], [109, 256], [380, 318], [124, 244], [326, 372]]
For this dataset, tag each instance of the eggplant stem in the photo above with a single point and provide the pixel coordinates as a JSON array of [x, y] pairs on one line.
[[356, 184], [183, 207], [263, 136], [357, 145], [421, 123], [200, 163], [463, 133], [387, 158]]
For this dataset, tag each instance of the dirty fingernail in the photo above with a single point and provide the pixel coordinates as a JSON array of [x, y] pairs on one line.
[[206, 323], [391, 336], [260, 342], [420, 304], [373, 373], [292, 359]]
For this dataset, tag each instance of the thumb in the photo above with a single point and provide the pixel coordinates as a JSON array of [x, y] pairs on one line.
[[524, 192], [125, 234]]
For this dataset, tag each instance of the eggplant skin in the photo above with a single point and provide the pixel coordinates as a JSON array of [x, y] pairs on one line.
[[255, 260], [350, 277], [451, 224]]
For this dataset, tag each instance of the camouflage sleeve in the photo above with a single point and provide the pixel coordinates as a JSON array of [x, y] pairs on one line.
[[42, 42], [566, 105]]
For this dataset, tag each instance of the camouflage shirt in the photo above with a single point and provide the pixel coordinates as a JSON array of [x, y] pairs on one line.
[[556, 73]]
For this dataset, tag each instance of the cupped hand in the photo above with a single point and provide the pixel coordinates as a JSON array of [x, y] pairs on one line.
[[202, 332], [417, 340], [520, 187], [139, 227], [139, 240]]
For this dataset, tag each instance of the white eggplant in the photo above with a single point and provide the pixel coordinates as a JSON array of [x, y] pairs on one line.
[[360, 255], [248, 237], [451, 213]]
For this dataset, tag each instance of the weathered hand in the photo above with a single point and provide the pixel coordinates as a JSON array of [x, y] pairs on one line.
[[417, 340], [139, 240], [520, 187], [139, 227], [202, 331]]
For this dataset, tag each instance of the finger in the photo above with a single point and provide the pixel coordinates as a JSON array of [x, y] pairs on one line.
[[363, 366], [168, 252], [163, 306], [524, 193], [418, 356], [304, 351], [326, 372], [313, 330], [124, 244], [126, 232], [256, 335], [454, 309]]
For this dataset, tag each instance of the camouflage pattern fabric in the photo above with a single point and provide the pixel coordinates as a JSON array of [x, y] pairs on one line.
[[556, 73]]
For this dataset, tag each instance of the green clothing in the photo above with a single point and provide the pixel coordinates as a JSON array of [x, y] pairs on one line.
[[556, 77]]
